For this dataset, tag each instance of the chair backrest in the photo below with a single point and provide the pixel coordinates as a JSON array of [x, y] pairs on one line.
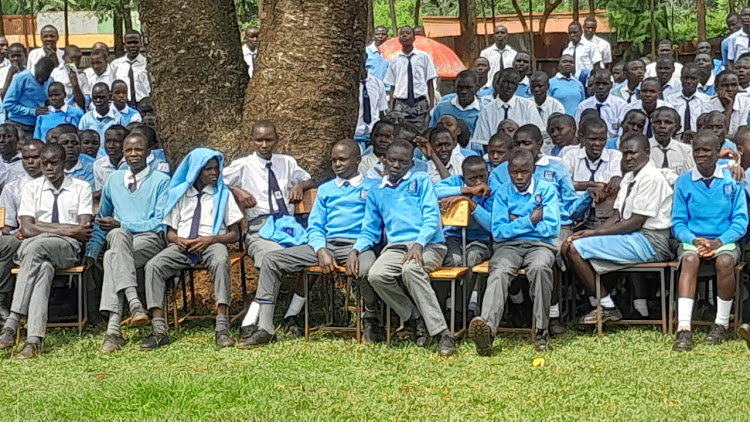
[[2, 217], [308, 199], [457, 215]]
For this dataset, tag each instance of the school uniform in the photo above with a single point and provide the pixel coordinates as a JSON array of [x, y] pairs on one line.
[[130, 115], [689, 109], [38, 53], [453, 167], [651, 70], [83, 170], [107, 77], [740, 111], [411, 98], [518, 243], [100, 123], [249, 57], [581, 169], [638, 105], [255, 174], [520, 110], [569, 91], [415, 220], [137, 201], [549, 107], [62, 74], [709, 88], [646, 193], [10, 200], [5, 66], [499, 59], [449, 105], [67, 114], [672, 87], [676, 156], [39, 256], [609, 110], [102, 168], [738, 44], [486, 96], [523, 90], [372, 101], [604, 48], [135, 75], [624, 92], [376, 64], [13, 169], [23, 97], [586, 54]]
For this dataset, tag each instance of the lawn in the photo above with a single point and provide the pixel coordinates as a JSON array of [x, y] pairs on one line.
[[630, 374]]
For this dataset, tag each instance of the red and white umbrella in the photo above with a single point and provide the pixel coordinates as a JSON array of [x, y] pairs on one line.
[[447, 63]]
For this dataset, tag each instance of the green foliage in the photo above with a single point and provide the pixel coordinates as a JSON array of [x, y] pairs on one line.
[[632, 21]]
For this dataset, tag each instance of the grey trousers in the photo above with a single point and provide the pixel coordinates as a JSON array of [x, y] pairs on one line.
[[38, 258], [537, 258], [126, 253], [384, 277], [297, 258], [171, 260], [8, 248], [258, 247], [476, 253]]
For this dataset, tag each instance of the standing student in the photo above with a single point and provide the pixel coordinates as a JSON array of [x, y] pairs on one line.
[[649, 102], [373, 103], [411, 74], [482, 69], [546, 106], [114, 138], [131, 212], [522, 63], [414, 247], [689, 103], [334, 224], [250, 48], [202, 219], [120, 101], [49, 50], [667, 152], [734, 24], [608, 106], [565, 88], [103, 115], [464, 104], [500, 55], [99, 70], [735, 107], [59, 113], [525, 223], [26, 96], [708, 218], [55, 213], [589, 34], [77, 88], [17, 64], [738, 41], [75, 167], [663, 49], [89, 143], [631, 90], [586, 54], [132, 69]]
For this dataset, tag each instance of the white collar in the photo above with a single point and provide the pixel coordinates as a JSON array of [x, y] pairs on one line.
[[67, 181], [655, 143], [581, 154], [209, 189], [78, 166], [502, 50], [354, 181], [138, 59], [373, 48], [696, 175], [473, 106], [5, 63], [110, 113], [561, 76], [543, 160], [529, 190], [64, 108], [124, 111], [138, 176], [710, 81], [387, 182], [524, 81], [14, 159], [625, 88], [262, 160], [500, 103]]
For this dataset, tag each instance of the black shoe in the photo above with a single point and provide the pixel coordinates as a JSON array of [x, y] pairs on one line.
[[138, 317], [422, 337], [113, 343], [371, 331], [481, 334], [556, 328], [95, 319], [608, 314], [744, 333], [541, 341], [247, 331], [154, 341], [7, 339], [29, 351], [717, 335], [257, 339], [683, 341], [223, 339], [292, 327], [447, 345]]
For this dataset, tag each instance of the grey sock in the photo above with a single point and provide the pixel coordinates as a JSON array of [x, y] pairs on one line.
[[13, 321], [34, 340], [265, 318], [131, 294], [113, 325], [160, 325], [222, 323]]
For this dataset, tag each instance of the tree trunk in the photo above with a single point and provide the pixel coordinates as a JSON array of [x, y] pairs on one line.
[[65, 18], [417, 6], [592, 8], [370, 20], [394, 23], [575, 8], [701, 12], [127, 18], [467, 14], [197, 72], [2, 20], [653, 29], [117, 32], [549, 7], [520, 15]]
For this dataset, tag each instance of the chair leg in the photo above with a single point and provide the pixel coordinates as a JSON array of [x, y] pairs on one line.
[[388, 325], [464, 305], [192, 290], [737, 302], [81, 305], [672, 298], [307, 306], [599, 323], [359, 316], [184, 291], [243, 282], [453, 307], [663, 293]]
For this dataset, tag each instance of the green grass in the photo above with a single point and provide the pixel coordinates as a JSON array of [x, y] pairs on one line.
[[630, 374]]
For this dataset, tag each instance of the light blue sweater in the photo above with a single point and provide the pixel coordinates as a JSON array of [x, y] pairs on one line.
[[452, 187], [23, 97], [72, 115]]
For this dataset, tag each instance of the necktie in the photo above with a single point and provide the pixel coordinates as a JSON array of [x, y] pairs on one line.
[[592, 170], [708, 181], [665, 163], [539, 109], [134, 185], [649, 132], [599, 109], [274, 194], [346, 184], [502, 62], [630, 97], [627, 195], [131, 76], [506, 107], [366, 107], [686, 126], [55, 211], [410, 100], [575, 61], [195, 224]]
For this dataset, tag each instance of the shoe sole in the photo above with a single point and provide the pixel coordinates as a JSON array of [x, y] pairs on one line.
[[681, 349], [604, 320], [744, 334], [150, 349], [479, 333], [140, 320]]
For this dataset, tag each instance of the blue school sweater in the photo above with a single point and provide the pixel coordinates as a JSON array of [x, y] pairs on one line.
[[141, 211], [409, 212], [716, 212], [130, 115], [523, 90], [100, 125], [452, 187], [84, 170], [552, 170], [66, 115], [23, 97], [569, 92], [613, 143], [338, 212], [509, 202], [446, 106]]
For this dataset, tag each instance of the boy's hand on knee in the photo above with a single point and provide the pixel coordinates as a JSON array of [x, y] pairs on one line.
[[414, 254], [88, 263], [107, 223], [326, 262], [352, 264], [182, 244]]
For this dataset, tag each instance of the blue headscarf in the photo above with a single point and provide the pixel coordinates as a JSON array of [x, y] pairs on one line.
[[188, 172]]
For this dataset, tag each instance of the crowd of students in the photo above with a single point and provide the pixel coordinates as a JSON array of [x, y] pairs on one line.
[[586, 177]]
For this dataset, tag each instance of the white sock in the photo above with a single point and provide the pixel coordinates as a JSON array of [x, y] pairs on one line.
[[474, 302], [641, 306], [295, 307], [684, 313], [554, 311], [607, 302], [251, 318], [592, 301], [517, 298], [723, 309]]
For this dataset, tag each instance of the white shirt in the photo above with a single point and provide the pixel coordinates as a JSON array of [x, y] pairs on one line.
[[604, 48], [4, 68], [181, 216], [129, 177], [249, 173], [10, 199], [586, 55], [603, 169], [378, 102], [106, 77], [38, 53], [698, 105], [610, 112], [12, 169], [453, 167], [423, 72], [709, 83], [354, 181], [37, 198], [739, 43], [674, 86], [740, 111], [548, 108], [62, 74], [679, 156], [626, 94], [249, 57], [520, 110], [121, 67], [651, 70], [650, 196], [638, 105], [102, 169], [368, 161], [499, 59]]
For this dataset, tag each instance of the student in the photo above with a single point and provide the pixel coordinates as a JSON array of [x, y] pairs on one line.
[[114, 138], [587, 55], [637, 232], [634, 121], [74, 166], [56, 213], [497, 150], [120, 101], [156, 159], [89, 143], [59, 112], [609, 107], [738, 43], [507, 126], [704, 47], [464, 104], [99, 70], [707, 82], [689, 103], [453, 125], [668, 79], [77, 89], [442, 162], [103, 115], [522, 63], [414, 247], [707, 233], [11, 158], [49, 37], [663, 49], [334, 224], [132, 69], [716, 122], [525, 223], [250, 48], [131, 212], [16, 64], [618, 73], [649, 102], [565, 88], [202, 219], [589, 33], [667, 152], [735, 107], [373, 103], [742, 67], [506, 106], [631, 90], [546, 106], [562, 130], [500, 55], [414, 99], [482, 69], [381, 139], [27, 94]]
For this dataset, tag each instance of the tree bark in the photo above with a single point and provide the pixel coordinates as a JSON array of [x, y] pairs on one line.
[[127, 18], [394, 23], [2, 20], [549, 7], [520, 15], [117, 32], [653, 29], [592, 8], [575, 7], [468, 16], [417, 7], [67, 27], [701, 12]]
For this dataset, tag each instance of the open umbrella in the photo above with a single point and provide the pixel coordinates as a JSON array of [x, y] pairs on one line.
[[446, 61]]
